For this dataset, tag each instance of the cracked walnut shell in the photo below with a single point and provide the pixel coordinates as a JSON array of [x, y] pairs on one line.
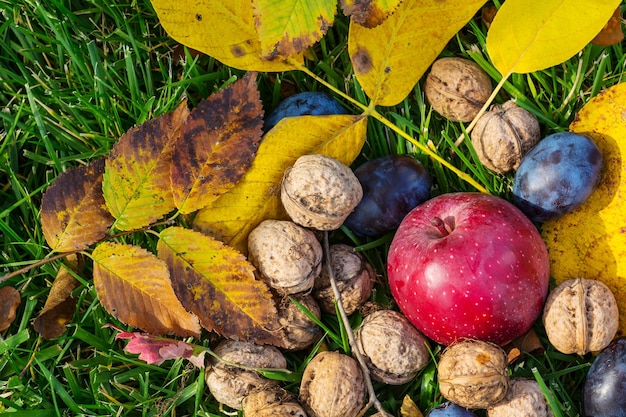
[[524, 399], [473, 373], [320, 192], [272, 402], [581, 316]]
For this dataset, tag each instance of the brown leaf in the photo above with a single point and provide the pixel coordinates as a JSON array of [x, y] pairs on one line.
[[134, 286], [136, 183], [487, 14], [10, 300], [217, 283], [369, 13], [217, 145], [73, 211], [60, 306], [611, 33]]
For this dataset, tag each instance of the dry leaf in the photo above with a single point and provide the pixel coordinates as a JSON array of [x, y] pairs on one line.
[[217, 145], [369, 13], [487, 14], [136, 183], [155, 350], [389, 59], [222, 29], [10, 300], [73, 211], [590, 242], [218, 284], [257, 196], [531, 35], [59, 308], [134, 286], [611, 33], [409, 408]]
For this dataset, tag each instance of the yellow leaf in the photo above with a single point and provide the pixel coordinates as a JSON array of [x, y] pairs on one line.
[[217, 283], [257, 195], [531, 35], [369, 13], [134, 286], [223, 29], [409, 408], [287, 27], [389, 59], [590, 242]]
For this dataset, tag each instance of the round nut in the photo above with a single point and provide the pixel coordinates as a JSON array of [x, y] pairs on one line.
[[354, 277], [524, 399], [394, 350], [320, 192], [473, 374], [300, 331], [581, 316], [272, 402], [288, 257], [457, 88], [503, 135], [332, 386], [230, 384]]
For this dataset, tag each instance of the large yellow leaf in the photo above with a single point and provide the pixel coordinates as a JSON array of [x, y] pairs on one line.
[[134, 286], [369, 13], [223, 29], [590, 242], [73, 211], [257, 196], [389, 59], [531, 35], [287, 27], [136, 183], [217, 283]]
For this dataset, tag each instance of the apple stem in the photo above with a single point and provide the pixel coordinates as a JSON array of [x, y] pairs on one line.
[[441, 226]]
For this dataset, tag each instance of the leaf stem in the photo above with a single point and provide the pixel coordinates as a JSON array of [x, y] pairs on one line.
[[36, 265], [346, 323]]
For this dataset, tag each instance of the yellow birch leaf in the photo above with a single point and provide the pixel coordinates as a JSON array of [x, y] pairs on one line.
[[218, 284], [287, 27], [389, 59], [409, 408], [531, 35], [134, 286], [257, 195], [222, 29], [136, 183], [590, 242], [369, 13]]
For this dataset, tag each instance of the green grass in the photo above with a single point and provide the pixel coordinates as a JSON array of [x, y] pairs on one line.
[[75, 75]]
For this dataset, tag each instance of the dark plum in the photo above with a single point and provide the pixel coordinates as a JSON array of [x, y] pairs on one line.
[[557, 176], [392, 186], [604, 392], [314, 103], [450, 409]]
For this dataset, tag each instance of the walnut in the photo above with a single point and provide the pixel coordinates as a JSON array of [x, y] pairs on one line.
[[354, 277], [320, 192], [229, 384], [332, 386], [393, 349], [524, 399], [272, 402], [457, 88], [503, 135], [473, 374], [300, 331], [288, 257], [581, 316]]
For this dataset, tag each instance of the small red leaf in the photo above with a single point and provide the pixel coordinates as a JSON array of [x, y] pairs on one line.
[[155, 350]]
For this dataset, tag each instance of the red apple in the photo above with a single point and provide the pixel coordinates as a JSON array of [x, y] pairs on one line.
[[469, 265]]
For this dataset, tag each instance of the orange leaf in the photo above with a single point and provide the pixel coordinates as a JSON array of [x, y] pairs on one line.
[[136, 183], [134, 286], [60, 306], [217, 283], [217, 145], [73, 211], [10, 300], [611, 33]]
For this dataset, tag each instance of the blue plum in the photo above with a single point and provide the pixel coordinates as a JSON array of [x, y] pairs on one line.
[[604, 392], [557, 176], [450, 409], [314, 103], [392, 186]]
